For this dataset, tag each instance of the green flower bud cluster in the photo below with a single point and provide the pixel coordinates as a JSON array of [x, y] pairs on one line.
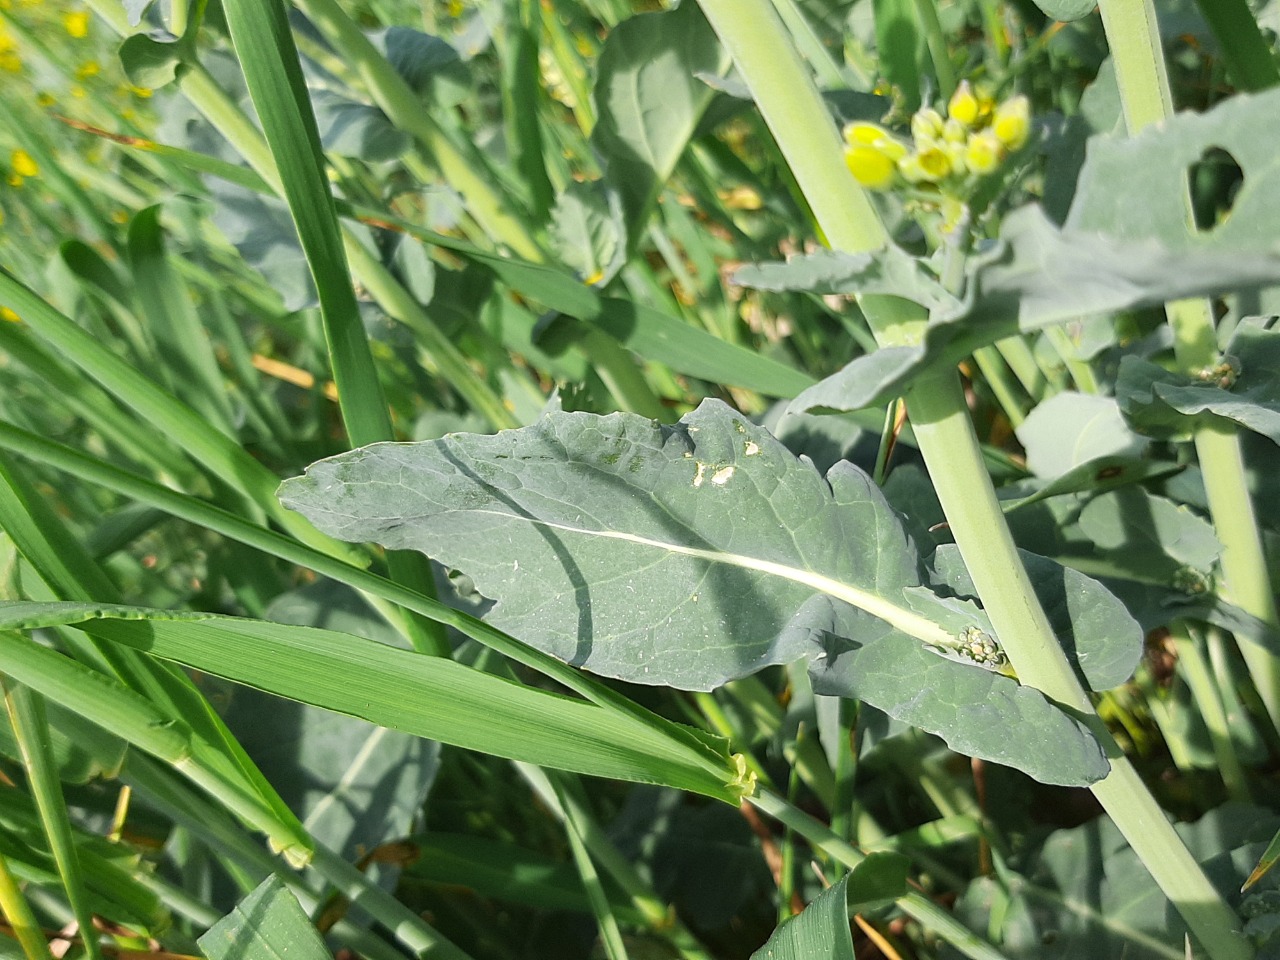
[[979, 646], [973, 140]]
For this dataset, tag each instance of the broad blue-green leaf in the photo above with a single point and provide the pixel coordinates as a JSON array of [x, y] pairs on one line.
[[1097, 475], [648, 101], [81, 751], [1127, 184], [266, 925], [430, 65], [976, 712], [352, 129], [1034, 276], [261, 231], [1103, 260], [1085, 893], [1067, 9], [1245, 388], [1072, 429], [821, 932], [891, 270], [1099, 636], [690, 555], [134, 9], [1154, 535]]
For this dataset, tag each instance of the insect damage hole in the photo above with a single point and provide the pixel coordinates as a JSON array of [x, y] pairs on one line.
[[1215, 180]]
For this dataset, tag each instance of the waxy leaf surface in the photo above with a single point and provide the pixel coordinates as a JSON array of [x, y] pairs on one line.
[[1166, 404], [690, 555]]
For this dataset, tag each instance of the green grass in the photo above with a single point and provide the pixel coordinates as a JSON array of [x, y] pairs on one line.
[[258, 234]]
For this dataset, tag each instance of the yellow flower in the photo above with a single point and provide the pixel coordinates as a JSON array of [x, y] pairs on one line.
[[1012, 122], [9, 315], [90, 68], [870, 166], [964, 106], [142, 93], [76, 23], [983, 152], [23, 165], [11, 61]]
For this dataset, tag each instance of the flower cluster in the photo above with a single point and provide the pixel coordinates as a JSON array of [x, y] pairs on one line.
[[949, 152]]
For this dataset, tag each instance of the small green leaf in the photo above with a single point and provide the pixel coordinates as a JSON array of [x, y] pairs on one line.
[[588, 231], [266, 925], [151, 63], [821, 932], [1265, 862], [649, 100]]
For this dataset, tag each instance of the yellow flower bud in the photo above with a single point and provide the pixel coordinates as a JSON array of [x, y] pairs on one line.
[[870, 166], [926, 124], [983, 152], [870, 135], [861, 133], [7, 314], [964, 106], [76, 23], [23, 165], [934, 164], [953, 131], [1012, 122], [956, 156]]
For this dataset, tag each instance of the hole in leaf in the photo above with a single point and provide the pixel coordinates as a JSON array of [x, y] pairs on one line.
[[1215, 180]]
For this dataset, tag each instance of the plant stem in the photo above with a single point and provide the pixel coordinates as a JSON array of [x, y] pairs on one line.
[[790, 104], [1204, 690], [914, 905], [938, 52], [1250, 63], [16, 910], [1134, 37], [31, 730]]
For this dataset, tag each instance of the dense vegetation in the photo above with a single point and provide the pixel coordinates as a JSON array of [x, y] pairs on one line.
[[845, 441]]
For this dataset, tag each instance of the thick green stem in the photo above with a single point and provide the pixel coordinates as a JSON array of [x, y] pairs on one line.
[[790, 104], [1134, 37]]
